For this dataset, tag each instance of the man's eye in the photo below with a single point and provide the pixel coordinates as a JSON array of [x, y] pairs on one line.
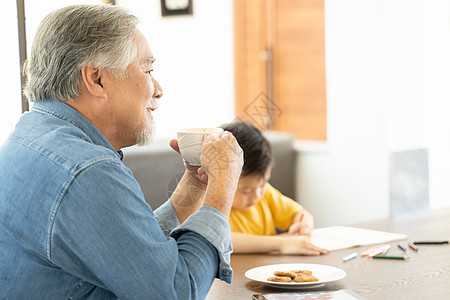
[[149, 72]]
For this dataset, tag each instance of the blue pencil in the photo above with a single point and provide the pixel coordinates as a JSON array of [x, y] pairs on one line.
[[350, 256]]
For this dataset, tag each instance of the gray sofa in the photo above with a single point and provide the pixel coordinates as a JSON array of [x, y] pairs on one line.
[[158, 168]]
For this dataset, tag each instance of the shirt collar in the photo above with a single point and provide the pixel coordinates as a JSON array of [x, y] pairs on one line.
[[61, 110]]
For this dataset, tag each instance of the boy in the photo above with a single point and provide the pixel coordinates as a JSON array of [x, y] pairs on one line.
[[258, 208]]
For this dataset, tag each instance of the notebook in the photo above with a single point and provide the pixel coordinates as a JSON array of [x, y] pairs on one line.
[[341, 237]]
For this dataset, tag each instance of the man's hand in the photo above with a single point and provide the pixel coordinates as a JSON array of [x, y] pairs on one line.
[[221, 158], [215, 182], [190, 191], [197, 173]]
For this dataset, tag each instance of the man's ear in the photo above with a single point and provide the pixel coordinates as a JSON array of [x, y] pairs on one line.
[[92, 79]]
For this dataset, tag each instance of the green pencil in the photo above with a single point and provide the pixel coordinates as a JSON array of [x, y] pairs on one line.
[[390, 257]]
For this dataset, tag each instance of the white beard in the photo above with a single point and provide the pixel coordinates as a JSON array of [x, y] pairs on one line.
[[147, 134]]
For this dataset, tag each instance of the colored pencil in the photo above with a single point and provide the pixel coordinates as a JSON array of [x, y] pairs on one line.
[[401, 246], [380, 250], [391, 257], [375, 250], [430, 242], [301, 218], [412, 246], [350, 256]]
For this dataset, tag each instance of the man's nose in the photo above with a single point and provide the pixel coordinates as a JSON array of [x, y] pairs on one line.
[[158, 93]]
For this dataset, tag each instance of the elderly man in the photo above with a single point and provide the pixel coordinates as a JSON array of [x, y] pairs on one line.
[[73, 221]]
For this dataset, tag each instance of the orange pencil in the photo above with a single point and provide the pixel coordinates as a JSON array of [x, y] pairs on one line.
[[301, 218], [412, 246]]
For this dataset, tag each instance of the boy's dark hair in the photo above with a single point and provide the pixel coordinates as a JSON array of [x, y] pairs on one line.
[[257, 150]]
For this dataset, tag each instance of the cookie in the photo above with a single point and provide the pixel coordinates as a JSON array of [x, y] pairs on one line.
[[284, 273], [305, 278], [280, 279], [302, 272]]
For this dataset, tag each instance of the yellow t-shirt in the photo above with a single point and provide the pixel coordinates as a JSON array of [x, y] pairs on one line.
[[274, 210]]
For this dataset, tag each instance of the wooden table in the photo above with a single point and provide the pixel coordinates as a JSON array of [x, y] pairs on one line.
[[426, 275]]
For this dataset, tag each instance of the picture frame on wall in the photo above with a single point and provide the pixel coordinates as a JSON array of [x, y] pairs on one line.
[[176, 7]]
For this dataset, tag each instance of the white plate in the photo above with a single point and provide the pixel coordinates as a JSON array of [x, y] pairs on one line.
[[322, 272]]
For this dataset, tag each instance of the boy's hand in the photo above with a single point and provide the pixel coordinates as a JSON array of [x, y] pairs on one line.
[[300, 228], [300, 245], [302, 224]]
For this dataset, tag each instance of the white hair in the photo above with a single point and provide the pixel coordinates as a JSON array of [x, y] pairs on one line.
[[74, 36]]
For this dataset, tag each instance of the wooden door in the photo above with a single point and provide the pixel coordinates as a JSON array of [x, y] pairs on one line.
[[280, 65]]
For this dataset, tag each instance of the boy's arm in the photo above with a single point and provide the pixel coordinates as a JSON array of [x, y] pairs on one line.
[[286, 244]]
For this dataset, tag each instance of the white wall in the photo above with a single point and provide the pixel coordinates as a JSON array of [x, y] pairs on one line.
[[388, 75], [195, 63], [435, 105]]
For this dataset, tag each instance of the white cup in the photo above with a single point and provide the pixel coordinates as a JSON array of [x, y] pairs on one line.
[[190, 143]]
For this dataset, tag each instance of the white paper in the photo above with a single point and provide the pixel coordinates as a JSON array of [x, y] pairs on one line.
[[341, 237]]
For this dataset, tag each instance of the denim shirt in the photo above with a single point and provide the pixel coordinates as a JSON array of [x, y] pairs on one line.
[[74, 223]]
